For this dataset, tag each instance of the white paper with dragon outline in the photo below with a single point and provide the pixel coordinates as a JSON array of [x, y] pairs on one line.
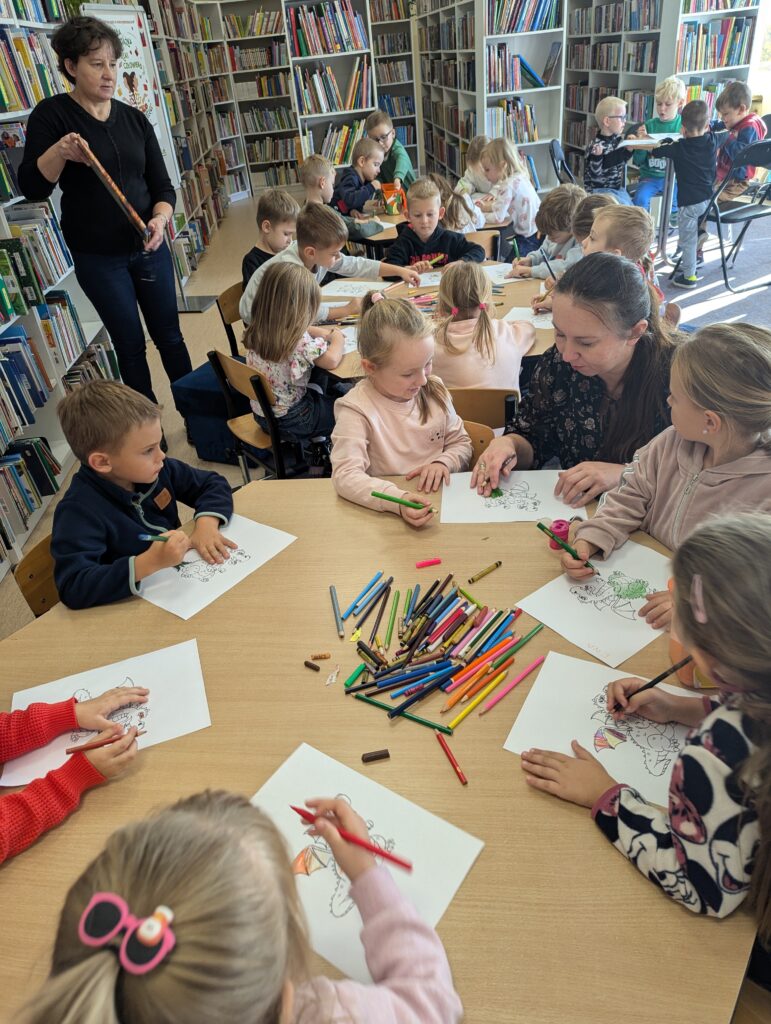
[[541, 321], [567, 702], [193, 585], [176, 706], [352, 289], [601, 616], [441, 854], [528, 495]]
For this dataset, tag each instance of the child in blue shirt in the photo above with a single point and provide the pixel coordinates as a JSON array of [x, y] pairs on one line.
[[358, 184]]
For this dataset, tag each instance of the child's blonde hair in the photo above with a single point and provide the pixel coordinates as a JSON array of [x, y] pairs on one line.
[[503, 151], [222, 867], [320, 226], [465, 293], [606, 106], [629, 229], [283, 309], [375, 119], [727, 368], [276, 206], [457, 213], [583, 218], [732, 559], [97, 416], [423, 188], [383, 323], [672, 88], [475, 148], [314, 167], [364, 149], [558, 207]]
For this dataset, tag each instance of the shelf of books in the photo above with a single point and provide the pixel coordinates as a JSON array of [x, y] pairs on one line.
[[625, 48], [493, 68], [51, 339], [395, 68]]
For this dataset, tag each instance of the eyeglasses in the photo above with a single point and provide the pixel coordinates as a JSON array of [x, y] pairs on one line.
[[382, 138], [147, 941], [621, 117]]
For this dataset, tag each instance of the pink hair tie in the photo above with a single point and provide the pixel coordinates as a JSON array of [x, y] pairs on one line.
[[454, 310], [483, 305], [376, 296], [697, 600]]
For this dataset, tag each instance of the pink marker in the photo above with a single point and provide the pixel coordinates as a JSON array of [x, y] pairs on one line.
[[428, 562]]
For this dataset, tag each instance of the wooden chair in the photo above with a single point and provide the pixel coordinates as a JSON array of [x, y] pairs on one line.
[[481, 435], [233, 375], [227, 304], [35, 577], [489, 240], [491, 406]]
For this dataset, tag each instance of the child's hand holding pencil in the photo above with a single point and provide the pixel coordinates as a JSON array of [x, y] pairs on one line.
[[353, 859]]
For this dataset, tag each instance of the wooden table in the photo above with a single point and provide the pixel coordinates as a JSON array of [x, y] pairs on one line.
[[517, 292], [389, 234], [551, 926]]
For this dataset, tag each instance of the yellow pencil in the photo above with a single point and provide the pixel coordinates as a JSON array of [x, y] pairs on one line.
[[477, 700]]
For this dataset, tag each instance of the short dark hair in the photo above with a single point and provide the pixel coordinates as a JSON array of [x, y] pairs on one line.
[[735, 95], [79, 36], [321, 227], [695, 116]]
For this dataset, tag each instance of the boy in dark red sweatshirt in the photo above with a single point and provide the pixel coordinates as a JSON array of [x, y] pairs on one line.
[[744, 128]]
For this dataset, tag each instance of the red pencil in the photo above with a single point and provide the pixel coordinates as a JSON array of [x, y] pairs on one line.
[[349, 837], [451, 758], [96, 744]]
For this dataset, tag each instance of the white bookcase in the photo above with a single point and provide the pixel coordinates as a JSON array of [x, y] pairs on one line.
[[396, 68], [457, 101]]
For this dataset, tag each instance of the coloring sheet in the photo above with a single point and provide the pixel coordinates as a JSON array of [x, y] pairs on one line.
[[194, 584], [431, 279], [567, 702], [541, 321], [601, 616], [527, 496], [349, 288], [176, 705], [654, 139], [441, 854], [351, 336], [497, 273]]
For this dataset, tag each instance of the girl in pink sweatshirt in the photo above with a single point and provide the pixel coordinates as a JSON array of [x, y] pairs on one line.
[[399, 421], [715, 458], [473, 348], [227, 937]]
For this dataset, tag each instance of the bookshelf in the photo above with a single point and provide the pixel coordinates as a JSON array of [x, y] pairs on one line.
[[474, 80], [50, 336], [395, 68], [624, 48]]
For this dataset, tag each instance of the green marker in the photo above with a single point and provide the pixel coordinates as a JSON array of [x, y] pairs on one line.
[[563, 544]]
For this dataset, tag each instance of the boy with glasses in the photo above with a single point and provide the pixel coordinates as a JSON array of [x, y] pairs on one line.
[[605, 157], [397, 167]]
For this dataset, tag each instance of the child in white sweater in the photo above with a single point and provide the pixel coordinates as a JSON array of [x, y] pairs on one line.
[[554, 221], [474, 181], [512, 199], [399, 420]]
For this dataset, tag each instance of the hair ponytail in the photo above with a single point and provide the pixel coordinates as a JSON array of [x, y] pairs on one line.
[[83, 993], [467, 289]]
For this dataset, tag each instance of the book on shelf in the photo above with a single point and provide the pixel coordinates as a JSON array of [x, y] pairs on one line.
[[643, 15], [697, 89], [261, 23], [508, 71], [552, 63], [387, 43], [35, 10], [719, 43], [61, 328], [641, 57], [389, 10], [275, 83], [360, 85], [506, 16], [278, 175], [533, 172], [705, 6], [326, 28], [257, 58], [338, 142], [640, 105], [317, 90], [396, 105], [609, 19], [257, 120], [23, 267], [98, 363], [30, 385], [40, 462], [512, 119], [28, 68]]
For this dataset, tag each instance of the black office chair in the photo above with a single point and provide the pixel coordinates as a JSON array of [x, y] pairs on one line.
[[766, 119], [755, 205], [564, 175]]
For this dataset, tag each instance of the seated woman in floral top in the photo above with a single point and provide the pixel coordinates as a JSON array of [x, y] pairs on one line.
[[599, 393]]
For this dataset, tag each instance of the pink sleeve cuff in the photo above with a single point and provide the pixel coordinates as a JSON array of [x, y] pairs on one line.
[[374, 891], [605, 803]]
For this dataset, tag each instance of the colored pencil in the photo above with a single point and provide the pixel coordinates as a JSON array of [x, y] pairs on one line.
[[381, 609], [662, 675], [477, 700], [481, 683], [485, 572], [406, 714], [354, 676], [402, 501], [564, 544], [451, 758], [376, 595], [349, 837], [356, 600], [469, 597], [336, 611], [392, 619], [510, 686], [436, 259], [97, 744], [152, 537]]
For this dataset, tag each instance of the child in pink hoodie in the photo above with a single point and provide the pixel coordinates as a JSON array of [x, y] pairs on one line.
[[473, 348], [399, 421], [714, 459], [228, 939]]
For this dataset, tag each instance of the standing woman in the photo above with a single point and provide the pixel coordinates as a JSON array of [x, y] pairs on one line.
[[113, 266], [599, 393]]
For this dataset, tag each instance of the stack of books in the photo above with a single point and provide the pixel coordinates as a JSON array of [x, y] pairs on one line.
[[339, 142], [513, 119], [36, 227], [28, 71], [720, 43], [326, 28], [261, 23], [255, 58], [505, 16]]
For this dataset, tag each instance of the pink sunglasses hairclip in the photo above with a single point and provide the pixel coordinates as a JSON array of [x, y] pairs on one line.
[[146, 942], [454, 310], [697, 600], [483, 305]]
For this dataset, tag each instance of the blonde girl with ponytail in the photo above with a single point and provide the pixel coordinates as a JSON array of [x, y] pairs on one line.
[[227, 938], [399, 420], [473, 348], [460, 213], [711, 849]]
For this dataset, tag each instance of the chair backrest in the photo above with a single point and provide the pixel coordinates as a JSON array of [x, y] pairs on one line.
[[481, 436], [239, 376], [227, 304], [488, 240], [35, 577], [564, 175], [766, 119], [484, 405], [757, 154]]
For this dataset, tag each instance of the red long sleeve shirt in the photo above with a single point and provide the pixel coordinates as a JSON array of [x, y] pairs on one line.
[[45, 802]]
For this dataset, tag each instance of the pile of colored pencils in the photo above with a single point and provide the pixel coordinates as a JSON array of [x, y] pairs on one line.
[[447, 639]]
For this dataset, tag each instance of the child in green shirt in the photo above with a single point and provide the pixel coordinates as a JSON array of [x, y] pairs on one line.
[[397, 167], [670, 96]]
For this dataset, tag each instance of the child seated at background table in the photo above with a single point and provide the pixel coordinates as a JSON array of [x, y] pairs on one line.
[[512, 199], [460, 213], [716, 456], [422, 243], [317, 176], [473, 347], [126, 488], [276, 222], [474, 181], [229, 939], [358, 184], [399, 420], [396, 169], [554, 221]]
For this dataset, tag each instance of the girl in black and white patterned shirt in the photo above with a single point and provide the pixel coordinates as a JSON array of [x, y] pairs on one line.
[[705, 850]]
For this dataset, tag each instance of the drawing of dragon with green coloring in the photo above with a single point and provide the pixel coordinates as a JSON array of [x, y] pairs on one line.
[[615, 593]]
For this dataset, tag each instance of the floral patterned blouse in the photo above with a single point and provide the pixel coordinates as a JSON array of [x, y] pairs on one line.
[[564, 414], [289, 380]]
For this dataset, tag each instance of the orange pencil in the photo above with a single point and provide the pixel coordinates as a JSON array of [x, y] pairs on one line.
[[459, 693], [96, 744], [483, 659], [481, 683]]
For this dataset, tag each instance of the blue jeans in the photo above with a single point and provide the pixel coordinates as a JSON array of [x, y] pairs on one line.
[[115, 284], [312, 416], [619, 194], [650, 187]]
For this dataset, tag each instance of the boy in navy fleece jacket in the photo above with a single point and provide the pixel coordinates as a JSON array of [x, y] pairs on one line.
[[126, 487], [358, 184], [744, 128], [422, 243]]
